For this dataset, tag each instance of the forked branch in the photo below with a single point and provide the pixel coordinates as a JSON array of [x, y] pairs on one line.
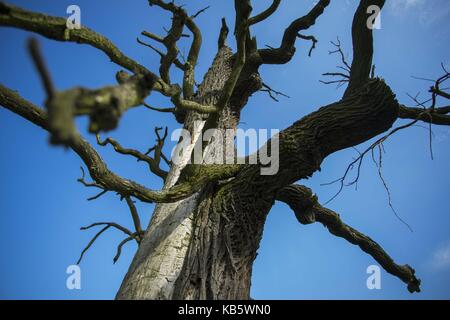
[[98, 169], [131, 236], [428, 111], [153, 163]]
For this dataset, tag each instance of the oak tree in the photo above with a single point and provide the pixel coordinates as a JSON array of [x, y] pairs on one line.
[[204, 234]]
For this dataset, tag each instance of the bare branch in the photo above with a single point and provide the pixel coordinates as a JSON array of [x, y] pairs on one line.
[[338, 50], [192, 105], [425, 116], [91, 243], [313, 41], [97, 168], [176, 62], [119, 248], [55, 28], [131, 236], [243, 10], [153, 163], [362, 45], [358, 161], [167, 110], [104, 106], [180, 18], [430, 113], [273, 93], [195, 15], [91, 184], [307, 209], [223, 34], [35, 52], [134, 215], [286, 50], [265, 14], [110, 225]]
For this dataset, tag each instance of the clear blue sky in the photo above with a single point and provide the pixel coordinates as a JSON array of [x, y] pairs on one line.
[[42, 206]]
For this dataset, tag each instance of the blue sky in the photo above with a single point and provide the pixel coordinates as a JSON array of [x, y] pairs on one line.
[[42, 206]]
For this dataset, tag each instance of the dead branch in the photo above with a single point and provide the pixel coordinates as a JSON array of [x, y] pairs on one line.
[[91, 184], [223, 34], [265, 14], [429, 111], [164, 110], [131, 236], [135, 217], [343, 77], [362, 38], [307, 210], [273, 93], [313, 42], [119, 247], [286, 50], [38, 59], [55, 28], [96, 166], [153, 163]]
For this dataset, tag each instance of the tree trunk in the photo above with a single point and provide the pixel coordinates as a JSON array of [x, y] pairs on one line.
[[194, 248]]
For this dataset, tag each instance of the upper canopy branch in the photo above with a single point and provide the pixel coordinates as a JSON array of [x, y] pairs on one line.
[[180, 19], [153, 163], [55, 28], [286, 50], [307, 210], [265, 14], [428, 111]]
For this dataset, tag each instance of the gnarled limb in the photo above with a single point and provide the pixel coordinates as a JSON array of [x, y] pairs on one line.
[[284, 53], [176, 62], [55, 28], [192, 105], [307, 210], [243, 10], [96, 166], [265, 14], [180, 18]]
